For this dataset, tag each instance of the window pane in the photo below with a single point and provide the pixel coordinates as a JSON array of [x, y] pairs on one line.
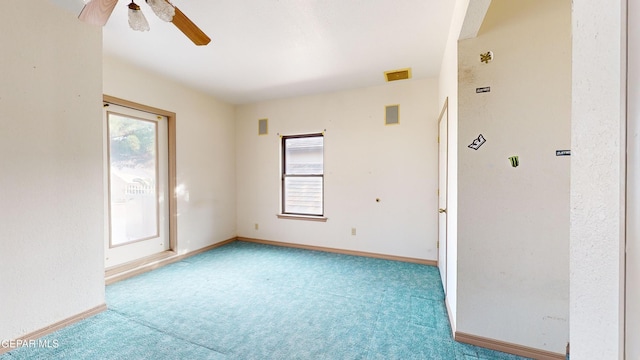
[[303, 195], [303, 155], [133, 179]]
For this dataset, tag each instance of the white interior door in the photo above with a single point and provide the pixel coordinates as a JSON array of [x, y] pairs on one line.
[[632, 311], [443, 124], [136, 184]]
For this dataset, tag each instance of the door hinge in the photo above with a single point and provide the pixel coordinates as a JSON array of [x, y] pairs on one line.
[[438, 244]]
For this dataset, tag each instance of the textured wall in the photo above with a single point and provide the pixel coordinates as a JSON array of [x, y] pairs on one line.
[[597, 180], [632, 320], [364, 160], [51, 211], [513, 223]]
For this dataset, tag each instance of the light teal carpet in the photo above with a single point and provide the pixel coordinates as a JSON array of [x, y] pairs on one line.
[[249, 301]]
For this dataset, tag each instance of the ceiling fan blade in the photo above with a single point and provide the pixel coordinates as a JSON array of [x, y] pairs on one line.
[[97, 12], [193, 32]]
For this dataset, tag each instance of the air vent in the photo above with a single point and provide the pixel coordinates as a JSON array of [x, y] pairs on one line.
[[401, 74], [392, 115], [263, 127]]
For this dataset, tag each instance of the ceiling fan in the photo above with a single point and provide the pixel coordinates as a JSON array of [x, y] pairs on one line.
[[97, 12]]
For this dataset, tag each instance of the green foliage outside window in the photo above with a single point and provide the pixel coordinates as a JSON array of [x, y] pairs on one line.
[[133, 142]]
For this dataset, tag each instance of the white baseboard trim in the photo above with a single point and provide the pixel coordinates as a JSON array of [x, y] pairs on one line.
[[340, 251], [52, 328], [507, 347]]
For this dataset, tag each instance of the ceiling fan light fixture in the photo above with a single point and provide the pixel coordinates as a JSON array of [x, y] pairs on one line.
[[137, 21], [162, 9]]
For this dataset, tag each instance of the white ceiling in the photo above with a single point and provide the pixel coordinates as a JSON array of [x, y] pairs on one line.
[[266, 49]]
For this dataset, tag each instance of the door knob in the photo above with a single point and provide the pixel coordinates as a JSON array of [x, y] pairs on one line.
[[441, 211]]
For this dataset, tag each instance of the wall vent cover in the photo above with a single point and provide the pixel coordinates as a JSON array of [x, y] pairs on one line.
[[401, 74], [392, 115], [263, 126]]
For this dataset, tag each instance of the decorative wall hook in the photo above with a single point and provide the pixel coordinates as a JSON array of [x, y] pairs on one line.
[[475, 145], [486, 57], [514, 161]]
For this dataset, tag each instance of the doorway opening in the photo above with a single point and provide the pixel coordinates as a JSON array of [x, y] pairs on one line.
[[443, 171]]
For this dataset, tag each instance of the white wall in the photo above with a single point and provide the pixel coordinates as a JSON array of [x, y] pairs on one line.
[[597, 180], [448, 89], [632, 320], [513, 223], [364, 160], [51, 215], [205, 150]]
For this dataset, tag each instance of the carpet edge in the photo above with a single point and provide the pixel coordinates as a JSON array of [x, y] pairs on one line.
[[341, 251]]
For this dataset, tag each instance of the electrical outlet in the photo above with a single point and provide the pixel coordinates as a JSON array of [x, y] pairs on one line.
[[353, 231], [255, 226]]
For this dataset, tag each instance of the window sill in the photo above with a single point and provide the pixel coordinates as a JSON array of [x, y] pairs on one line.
[[302, 217]]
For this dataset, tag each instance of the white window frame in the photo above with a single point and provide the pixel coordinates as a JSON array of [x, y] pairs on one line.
[[284, 175]]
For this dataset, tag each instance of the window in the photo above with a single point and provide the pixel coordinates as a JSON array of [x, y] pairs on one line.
[[303, 175]]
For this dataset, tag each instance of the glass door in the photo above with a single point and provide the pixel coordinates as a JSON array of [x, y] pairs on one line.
[[136, 165]]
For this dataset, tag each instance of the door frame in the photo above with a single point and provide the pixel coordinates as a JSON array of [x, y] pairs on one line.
[[443, 243], [632, 229], [171, 182]]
